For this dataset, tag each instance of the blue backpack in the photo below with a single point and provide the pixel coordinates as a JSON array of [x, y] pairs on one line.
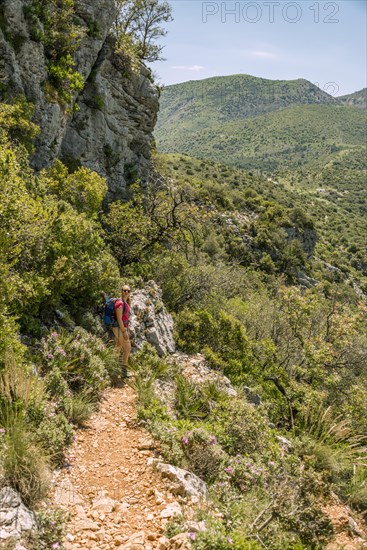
[[109, 316]]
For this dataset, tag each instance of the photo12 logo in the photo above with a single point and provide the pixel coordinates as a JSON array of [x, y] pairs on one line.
[[270, 12]]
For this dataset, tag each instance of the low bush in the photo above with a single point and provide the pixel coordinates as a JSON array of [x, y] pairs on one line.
[[55, 434], [83, 360], [51, 530], [24, 464], [78, 408], [242, 428], [203, 454]]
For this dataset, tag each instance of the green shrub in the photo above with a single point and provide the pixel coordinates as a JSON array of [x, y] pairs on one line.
[[83, 189], [64, 78], [187, 404], [51, 529], [357, 490], [78, 408], [203, 454], [82, 360], [147, 368], [24, 464], [55, 434], [243, 429], [220, 336]]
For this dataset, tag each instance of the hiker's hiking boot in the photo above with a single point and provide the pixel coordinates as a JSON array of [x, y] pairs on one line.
[[124, 372]]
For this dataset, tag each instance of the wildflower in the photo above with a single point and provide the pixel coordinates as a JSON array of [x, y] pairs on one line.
[[229, 470], [54, 335], [184, 440], [230, 540], [52, 524], [50, 356], [192, 536], [55, 545], [61, 351], [2, 431], [213, 440]]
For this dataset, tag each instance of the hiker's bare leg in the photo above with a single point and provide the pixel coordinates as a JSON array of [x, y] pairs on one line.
[[118, 340], [122, 342], [126, 349]]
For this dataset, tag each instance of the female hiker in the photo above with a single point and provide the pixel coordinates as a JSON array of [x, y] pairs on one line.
[[121, 331]]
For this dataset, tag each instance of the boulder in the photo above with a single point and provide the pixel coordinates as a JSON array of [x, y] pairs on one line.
[[16, 520], [185, 483], [150, 322]]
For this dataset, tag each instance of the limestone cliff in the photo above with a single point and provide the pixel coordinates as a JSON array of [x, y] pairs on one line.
[[109, 125]]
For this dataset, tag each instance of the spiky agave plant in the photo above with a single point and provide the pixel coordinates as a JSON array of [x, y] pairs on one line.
[[331, 443]]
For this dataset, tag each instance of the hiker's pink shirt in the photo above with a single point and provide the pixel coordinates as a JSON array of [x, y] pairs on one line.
[[125, 316]]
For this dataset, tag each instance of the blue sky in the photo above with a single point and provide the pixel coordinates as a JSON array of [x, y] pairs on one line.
[[322, 41]]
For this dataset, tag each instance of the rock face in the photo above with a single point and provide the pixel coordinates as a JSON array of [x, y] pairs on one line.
[[149, 321], [110, 133], [15, 519], [112, 130]]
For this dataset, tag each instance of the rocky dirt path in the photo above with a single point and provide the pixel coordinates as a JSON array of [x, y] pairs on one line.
[[114, 497], [349, 532]]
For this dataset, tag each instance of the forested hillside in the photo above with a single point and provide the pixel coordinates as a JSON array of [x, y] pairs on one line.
[[295, 137]]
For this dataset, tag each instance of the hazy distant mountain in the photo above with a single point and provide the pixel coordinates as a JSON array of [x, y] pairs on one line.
[[200, 103], [357, 99], [251, 122]]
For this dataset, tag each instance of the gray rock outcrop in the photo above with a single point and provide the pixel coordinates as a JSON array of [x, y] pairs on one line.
[[16, 520], [150, 322], [186, 483], [108, 127]]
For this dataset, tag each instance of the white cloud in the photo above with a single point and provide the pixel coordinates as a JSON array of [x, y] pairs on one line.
[[265, 55], [193, 68]]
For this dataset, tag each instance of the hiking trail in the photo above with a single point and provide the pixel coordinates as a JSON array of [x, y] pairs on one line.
[[114, 497]]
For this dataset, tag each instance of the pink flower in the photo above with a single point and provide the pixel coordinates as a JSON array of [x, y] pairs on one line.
[[50, 356], [61, 351], [192, 536], [2, 431], [229, 470], [230, 540], [55, 545], [184, 440], [54, 335]]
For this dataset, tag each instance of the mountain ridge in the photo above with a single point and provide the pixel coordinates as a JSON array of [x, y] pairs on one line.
[[355, 99]]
